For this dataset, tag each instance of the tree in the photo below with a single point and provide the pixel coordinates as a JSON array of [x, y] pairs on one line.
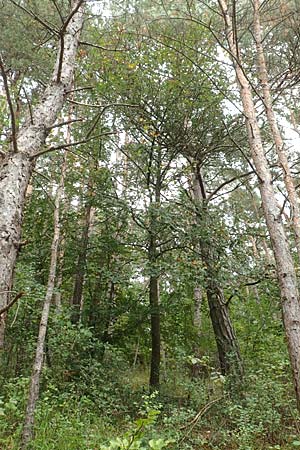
[[284, 263], [18, 163]]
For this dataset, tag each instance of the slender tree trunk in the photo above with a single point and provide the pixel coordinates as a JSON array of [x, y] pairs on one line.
[[284, 262], [155, 333], [256, 256], [197, 310], [81, 265], [39, 356], [276, 134], [227, 345], [16, 167], [154, 297], [59, 277], [197, 321]]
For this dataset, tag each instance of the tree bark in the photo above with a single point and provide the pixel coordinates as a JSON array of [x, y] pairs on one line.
[[39, 356], [16, 167], [276, 134], [284, 262], [227, 345], [155, 333], [80, 268], [197, 321], [154, 297]]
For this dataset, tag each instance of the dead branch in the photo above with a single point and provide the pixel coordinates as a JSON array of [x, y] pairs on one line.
[[198, 416], [10, 304], [10, 105], [72, 144]]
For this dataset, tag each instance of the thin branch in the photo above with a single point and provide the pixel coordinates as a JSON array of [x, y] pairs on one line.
[[228, 182], [61, 57], [64, 146], [35, 17], [62, 39], [89, 44], [10, 105], [96, 105], [67, 122], [10, 304], [198, 416], [29, 105], [58, 10]]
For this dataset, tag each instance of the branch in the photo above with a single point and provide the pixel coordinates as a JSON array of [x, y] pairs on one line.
[[58, 10], [64, 146], [35, 17], [62, 40], [96, 105], [89, 44], [67, 122], [11, 109], [228, 182], [198, 416], [10, 304]]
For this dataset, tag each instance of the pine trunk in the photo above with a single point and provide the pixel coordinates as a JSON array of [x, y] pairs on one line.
[[276, 134], [15, 172], [284, 262], [227, 345], [155, 333]]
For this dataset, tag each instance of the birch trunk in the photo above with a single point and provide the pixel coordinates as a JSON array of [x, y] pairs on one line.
[[284, 262], [16, 167], [39, 356], [276, 134]]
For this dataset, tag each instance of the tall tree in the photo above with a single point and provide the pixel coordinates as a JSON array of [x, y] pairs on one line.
[[284, 263], [39, 355], [273, 124], [17, 164]]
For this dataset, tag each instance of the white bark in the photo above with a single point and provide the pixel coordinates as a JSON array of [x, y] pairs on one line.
[[16, 168], [284, 263], [276, 134], [39, 356]]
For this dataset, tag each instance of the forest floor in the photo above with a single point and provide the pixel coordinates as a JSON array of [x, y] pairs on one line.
[[188, 414]]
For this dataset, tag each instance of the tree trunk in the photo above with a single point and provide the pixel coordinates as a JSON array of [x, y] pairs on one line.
[[153, 255], [197, 320], [276, 134], [16, 167], [197, 310], [227, 345], [15, 172], [81, 264], [155, 333], [284, 262], [39, 356]]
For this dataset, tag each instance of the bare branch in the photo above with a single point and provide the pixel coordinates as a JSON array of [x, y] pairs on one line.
[[58, 10], [10, 105], [96, 105], [67, 122], [62, 39], [237, 177], [72, 144], [35, 17], [10, 304], [89, 44]]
